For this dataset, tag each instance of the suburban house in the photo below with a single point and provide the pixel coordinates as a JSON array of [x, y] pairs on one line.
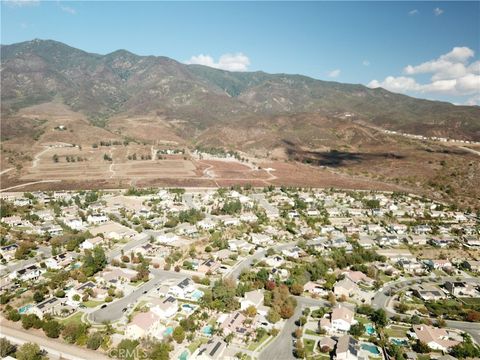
[[183, 288], [428, 292], [358, 277], [52, 306], [97, 219], [347, 348], [341, 319], [460, 288], [314, 288], [234, 323], [274, 261], [145, 324], [435, 338], [208, 266], [165, 308], [261, 239], [8, 251], [91, 243], [212, 350], [240, 245], [345, 287], [31, 272]]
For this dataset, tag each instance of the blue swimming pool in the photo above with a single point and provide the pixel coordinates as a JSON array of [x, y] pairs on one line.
[[188, 308], [184, 355], [24, 309], [207, 330], [369, 329], [399, 342], [370, 348], [168, 331], [197, 294]]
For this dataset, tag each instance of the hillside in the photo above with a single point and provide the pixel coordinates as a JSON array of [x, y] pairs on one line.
[[104, 86]]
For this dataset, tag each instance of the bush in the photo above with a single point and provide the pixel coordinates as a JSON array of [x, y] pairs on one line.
[[94, 341], [178, 334], [52, 328], [31, 320]]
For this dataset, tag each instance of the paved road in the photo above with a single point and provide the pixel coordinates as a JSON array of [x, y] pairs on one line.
[[42, 251], [382, 299], [56, 348], [247, 262], [282, 347], [269, 208], [114, 311], [137, 240]]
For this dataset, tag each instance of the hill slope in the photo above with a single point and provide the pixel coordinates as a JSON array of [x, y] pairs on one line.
[[101, 86]]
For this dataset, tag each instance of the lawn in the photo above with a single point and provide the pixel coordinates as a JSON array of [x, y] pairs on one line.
[[75, 318], [311, 332], [92, 303], [396, 331], [309, 344], [256, 344], [471, 301], [195, 344]]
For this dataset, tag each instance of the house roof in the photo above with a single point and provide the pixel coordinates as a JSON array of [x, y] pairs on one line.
[[347, 343], [342, 313], [428, 334], [145, 320]]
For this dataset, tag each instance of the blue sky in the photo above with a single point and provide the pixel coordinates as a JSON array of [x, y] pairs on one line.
[[357, 42]]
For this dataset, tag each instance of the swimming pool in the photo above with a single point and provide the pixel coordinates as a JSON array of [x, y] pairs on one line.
[[399, 342], [184, 355], [370, 348], [207, 330], [168, 331], [369, 329], [24, 309], [197, 294], [188, 308]]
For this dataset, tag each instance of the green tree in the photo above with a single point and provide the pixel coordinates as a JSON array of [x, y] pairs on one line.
[[273, 316], [178, 334], [31, 320], [38, 297], [29, 351], [52, 328], [356, 330], [160, 351], [379, 317], [95, 340], [6, 347]]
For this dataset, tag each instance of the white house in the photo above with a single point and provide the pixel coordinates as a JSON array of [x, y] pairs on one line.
[[145, 324], [183, 288], [97, 219], [91, 243], [165, 308]]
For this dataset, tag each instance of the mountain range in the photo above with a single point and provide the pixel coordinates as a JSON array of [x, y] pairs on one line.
[[121, 83]]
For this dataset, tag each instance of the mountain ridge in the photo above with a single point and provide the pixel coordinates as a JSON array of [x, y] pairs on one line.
[[121, 82]]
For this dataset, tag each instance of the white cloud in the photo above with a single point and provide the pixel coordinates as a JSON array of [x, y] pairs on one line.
[[68, 9], [366, 63], [20, 3], [230, 62], [451, 74], [334, 73], [474, 100], [413, 12], [437, 11]]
